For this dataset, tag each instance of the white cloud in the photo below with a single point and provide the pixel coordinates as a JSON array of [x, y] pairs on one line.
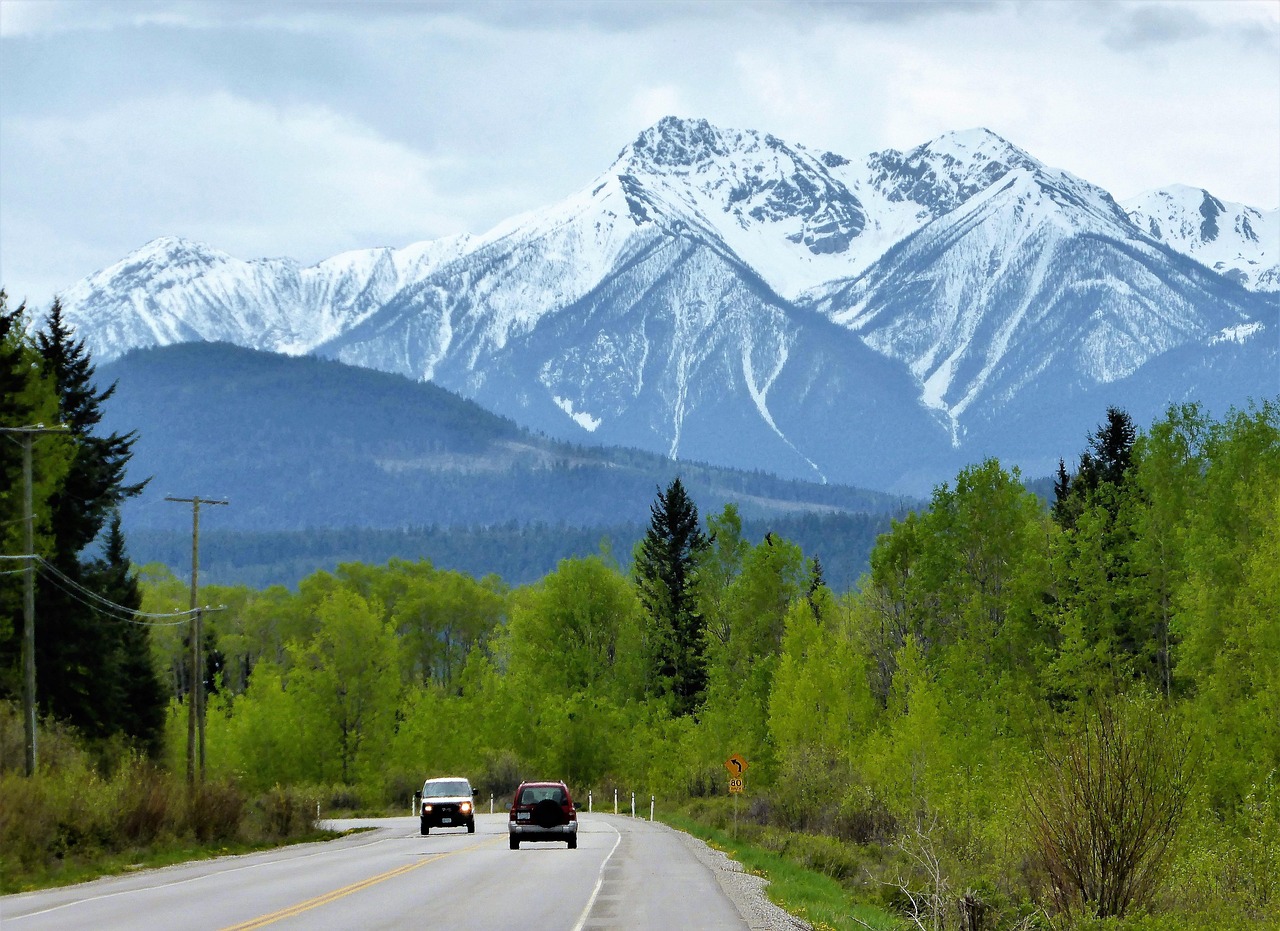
[[306, 128], [250, 178]]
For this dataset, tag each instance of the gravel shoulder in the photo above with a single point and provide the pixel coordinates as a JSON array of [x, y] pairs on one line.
[[745, 890]]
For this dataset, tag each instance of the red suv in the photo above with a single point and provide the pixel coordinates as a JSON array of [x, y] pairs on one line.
[[543, 811]]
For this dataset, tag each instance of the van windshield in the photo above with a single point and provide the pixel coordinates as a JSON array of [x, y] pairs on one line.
[[447, 789]]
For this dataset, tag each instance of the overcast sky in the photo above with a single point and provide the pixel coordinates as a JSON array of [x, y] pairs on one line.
[[308, 128]]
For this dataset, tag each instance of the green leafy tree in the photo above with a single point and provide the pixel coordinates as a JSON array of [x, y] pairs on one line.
[[820, 698], [347, 679], [774, 576], [1228, 610]]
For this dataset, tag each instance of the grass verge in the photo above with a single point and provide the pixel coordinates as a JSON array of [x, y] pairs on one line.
[[805, 893]]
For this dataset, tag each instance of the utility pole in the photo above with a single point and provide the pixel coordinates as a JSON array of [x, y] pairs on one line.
[[28, 434], [195, 703]]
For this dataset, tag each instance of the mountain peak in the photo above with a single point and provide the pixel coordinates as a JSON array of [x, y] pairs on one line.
[[675, 141], [943, 173]]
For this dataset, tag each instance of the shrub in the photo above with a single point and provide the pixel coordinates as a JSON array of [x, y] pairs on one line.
[[286, 813], [214, 812], [147, 805], [1107, 811]]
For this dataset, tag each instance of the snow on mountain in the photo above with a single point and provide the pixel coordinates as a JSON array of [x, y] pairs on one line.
[[173, 290], [1026, 295], [1241, 243], [727, 296]]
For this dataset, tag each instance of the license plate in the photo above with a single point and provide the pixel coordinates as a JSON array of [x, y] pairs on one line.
[[446, 821], [522, 816]]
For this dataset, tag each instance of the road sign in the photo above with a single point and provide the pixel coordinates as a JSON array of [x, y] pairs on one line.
[[735, 784], [736, 765]]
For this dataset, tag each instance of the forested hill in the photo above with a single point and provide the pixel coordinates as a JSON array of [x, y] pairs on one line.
[[519, 554], [299, 443]]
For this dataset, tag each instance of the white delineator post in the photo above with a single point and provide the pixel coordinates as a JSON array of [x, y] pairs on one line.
[[651, 807]]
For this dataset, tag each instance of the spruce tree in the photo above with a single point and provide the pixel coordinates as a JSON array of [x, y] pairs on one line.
[[77, 653], [134, 692], [664, 574], [27, 398]]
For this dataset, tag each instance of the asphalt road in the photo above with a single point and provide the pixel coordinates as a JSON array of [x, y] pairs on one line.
[[627, 874]]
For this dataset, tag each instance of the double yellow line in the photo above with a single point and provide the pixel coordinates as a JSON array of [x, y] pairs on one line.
[[336, 894]]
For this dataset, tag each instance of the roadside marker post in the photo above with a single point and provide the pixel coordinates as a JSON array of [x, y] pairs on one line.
[[615, 801], [588, 801], [651, 807], [633, 804]]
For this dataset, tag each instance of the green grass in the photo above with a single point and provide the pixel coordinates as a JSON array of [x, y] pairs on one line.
[[812, 896]]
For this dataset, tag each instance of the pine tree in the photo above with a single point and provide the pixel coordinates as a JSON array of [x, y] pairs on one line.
[[26, 398], [77, 655], [1105, 464], [664, 574], [133, 690]]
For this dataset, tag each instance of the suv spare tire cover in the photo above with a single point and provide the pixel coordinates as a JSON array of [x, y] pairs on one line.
[[548, 814]]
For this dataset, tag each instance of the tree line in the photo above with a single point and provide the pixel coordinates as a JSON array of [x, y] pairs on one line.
[[1065, 705]]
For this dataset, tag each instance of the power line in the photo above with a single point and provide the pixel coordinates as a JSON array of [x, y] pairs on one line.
[[104, 612], [54, 574], [50, 567], [105, 606]]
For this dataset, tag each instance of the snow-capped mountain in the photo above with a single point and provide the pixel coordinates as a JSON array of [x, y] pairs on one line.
[[174, 291], [1239, 242], [727, 296], [1028, 298]]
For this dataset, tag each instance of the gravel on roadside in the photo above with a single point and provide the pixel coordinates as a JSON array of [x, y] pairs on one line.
[[745, 890]]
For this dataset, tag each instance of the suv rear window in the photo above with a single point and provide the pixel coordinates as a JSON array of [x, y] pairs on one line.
[[534, 794]]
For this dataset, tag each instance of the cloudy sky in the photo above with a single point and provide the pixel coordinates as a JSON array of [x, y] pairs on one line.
[[308, 128]]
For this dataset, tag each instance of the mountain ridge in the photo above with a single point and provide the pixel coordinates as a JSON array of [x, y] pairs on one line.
[[683, 302]]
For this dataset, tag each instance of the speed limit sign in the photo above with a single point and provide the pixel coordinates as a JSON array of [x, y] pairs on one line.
[[735, 784]]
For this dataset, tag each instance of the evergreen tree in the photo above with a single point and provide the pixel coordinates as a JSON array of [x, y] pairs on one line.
[[77, 655], [27, 398], [664, 574], [1108, 631], [133, 691], [1107, 462]]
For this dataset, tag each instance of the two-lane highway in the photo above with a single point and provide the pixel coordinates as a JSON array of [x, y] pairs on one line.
[[626, 874]]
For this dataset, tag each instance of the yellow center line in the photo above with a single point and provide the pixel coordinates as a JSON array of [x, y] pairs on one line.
[[336, 894]]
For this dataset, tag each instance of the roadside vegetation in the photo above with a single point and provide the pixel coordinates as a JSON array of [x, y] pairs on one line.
[[1023, 716], [84, 817]]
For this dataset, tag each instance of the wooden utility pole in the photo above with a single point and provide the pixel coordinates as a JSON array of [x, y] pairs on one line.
[[28, 434], [195, 698]]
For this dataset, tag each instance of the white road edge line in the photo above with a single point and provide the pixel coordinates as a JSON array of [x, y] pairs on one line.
[[582, 919], [191, 879]]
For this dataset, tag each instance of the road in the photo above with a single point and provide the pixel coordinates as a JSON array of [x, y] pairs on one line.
[[627, 874]]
